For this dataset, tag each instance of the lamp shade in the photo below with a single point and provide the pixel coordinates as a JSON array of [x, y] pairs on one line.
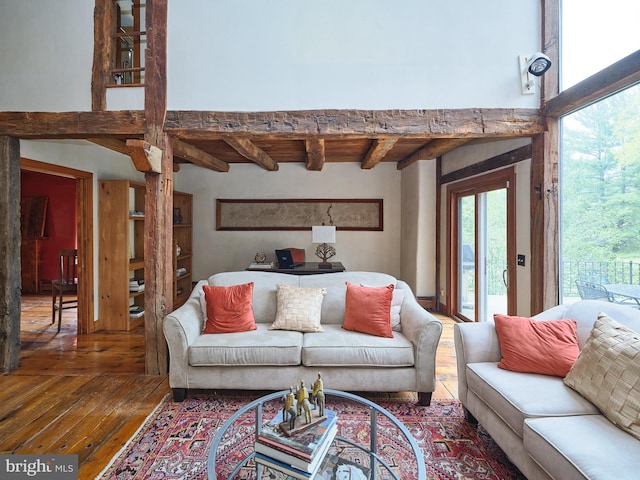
[[323, 234]]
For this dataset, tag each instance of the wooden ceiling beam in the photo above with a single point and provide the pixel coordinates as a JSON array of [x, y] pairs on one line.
[[315, 153], [431, 150], [251, 151], [45, 125], [114, 144], [344, 124], [197, 156], [379, 149], [612, 79]]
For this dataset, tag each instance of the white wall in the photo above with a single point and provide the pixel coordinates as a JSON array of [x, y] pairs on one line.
[[474, 153], [369, 54], [217, 251], [82, 155], [46, 55], [284, 54], [419, 227]]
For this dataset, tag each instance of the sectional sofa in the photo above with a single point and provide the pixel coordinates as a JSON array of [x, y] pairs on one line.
[[546, 428], [274, 359]]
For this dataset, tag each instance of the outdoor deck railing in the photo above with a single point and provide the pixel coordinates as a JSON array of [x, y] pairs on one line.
[[597, 272]]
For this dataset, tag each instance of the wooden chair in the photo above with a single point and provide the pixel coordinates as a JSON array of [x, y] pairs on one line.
[[67, 282]]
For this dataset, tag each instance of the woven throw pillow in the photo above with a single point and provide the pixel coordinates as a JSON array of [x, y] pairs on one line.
[[607, 373], [537, 346], [229, 309], [368, 310], [298, 308]]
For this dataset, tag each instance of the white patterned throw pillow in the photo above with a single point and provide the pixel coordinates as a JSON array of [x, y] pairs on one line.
[[298, 308]]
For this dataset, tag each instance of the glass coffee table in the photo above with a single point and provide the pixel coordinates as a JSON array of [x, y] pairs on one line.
[[394, 455]]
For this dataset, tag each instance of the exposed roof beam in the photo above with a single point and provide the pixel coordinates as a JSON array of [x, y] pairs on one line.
[[114, 144], [616, 77], [345, 124], [433, 149], [491, 164], [198, 157], [315, 153], [252, 152], [379, 148], [43, 125]]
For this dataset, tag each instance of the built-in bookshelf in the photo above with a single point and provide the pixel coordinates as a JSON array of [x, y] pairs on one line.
[[121, 252], [183, 246]]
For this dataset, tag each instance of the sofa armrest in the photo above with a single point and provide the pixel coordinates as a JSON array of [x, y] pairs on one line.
[[474, 343], [181, 327], [423, 330]]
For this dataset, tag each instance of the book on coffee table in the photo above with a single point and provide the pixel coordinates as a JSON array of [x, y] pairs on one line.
[[303, 445], [284, 458]]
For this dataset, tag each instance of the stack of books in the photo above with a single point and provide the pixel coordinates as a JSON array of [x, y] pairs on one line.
[[135, 311], [136, 285], [299, 455], [262, 266]]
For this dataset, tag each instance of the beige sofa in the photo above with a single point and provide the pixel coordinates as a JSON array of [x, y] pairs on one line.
[[546, 429], [265, 359]]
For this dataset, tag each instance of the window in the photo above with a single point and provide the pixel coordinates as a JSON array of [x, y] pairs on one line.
[[595, 35], [130, 42], [600, 194], [599, 156]]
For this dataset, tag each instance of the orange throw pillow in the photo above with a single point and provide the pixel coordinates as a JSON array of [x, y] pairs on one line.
[[367, 310], [536, 346], [229, 309]]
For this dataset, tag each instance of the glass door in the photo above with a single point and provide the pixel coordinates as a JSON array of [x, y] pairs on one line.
[[483, 242]]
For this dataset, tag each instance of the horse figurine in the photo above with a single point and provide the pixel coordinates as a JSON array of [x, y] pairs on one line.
[[317, 395], [289, 410], [303, 402]]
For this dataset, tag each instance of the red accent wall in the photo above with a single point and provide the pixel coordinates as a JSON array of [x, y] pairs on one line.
[[61, 226]]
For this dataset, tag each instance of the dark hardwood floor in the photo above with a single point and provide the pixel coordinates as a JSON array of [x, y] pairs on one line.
[[88, 394]]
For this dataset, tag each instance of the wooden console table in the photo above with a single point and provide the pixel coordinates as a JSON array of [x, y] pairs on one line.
[[308, 268]]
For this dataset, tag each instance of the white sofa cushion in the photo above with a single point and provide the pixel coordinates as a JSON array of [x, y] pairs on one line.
[[515, 396], [256, 347], [582, 446], [339, 347]]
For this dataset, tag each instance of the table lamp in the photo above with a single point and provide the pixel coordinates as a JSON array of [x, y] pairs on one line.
[[324, 235]]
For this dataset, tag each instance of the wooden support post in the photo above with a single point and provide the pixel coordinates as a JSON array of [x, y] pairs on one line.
[[544, 220], [10, 273], [158, 200], [158, 259]]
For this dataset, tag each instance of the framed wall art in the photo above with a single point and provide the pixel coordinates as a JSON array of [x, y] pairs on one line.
[[299, 214]]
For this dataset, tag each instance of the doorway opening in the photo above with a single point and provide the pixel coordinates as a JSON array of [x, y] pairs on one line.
[[82, 182]]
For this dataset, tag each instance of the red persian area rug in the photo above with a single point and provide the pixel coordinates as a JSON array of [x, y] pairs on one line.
[[175, 440]]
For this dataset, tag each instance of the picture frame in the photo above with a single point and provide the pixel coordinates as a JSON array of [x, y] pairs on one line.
[[365, 214]]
